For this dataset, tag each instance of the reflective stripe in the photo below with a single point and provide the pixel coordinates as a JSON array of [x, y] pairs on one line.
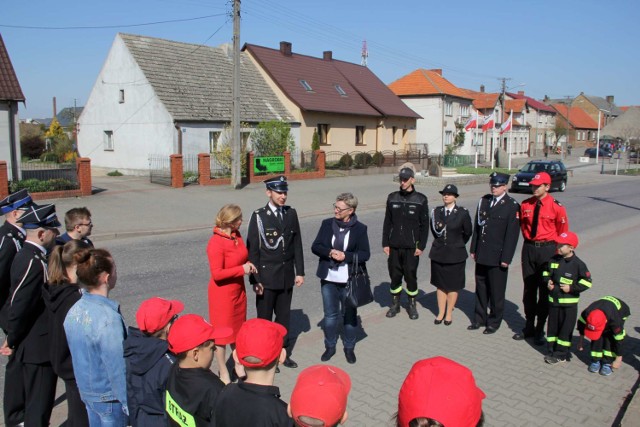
[[614, 300], [568, 300], [177, 414], [412, 294], [564, 343], [397, 290], [596, 354], [609, 353], [554, 265], [580, 319], [546, 274], [584, 282], [565, 281], [551, 339], [620, 336]]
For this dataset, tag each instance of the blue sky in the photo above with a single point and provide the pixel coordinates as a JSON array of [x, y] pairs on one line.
[[554, 48]]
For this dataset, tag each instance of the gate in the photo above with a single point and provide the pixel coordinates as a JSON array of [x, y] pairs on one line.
[[160, 169]]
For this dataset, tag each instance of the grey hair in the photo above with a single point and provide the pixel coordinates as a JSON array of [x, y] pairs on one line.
[[349, 199]]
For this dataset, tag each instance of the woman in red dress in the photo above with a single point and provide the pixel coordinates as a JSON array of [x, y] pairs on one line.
[[227, 297]]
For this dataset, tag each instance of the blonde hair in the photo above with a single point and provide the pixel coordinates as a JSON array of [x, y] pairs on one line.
[[227, 215]]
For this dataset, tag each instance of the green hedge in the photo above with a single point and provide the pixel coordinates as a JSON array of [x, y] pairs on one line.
[[470, 170], [38, 186]]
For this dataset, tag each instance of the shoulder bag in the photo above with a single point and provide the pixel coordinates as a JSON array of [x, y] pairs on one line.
[[358, 285]]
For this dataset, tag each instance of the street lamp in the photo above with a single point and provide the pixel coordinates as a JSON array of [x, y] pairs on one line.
[[598, 135]]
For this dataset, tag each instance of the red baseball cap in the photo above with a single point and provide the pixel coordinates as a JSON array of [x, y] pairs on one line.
[[596, 321], [191, 330], [568, 238], [261, 339], [155, 313], [541, 178], [320, 393], [440, 389]]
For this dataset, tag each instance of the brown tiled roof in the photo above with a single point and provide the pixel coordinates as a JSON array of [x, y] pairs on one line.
[[482, 100], [9, 86], [533, 103], [364, 94], [426, 82], [578, 118], [517, 105]]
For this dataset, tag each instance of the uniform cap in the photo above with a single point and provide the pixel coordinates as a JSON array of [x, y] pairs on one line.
[[440, 389], [40, 216], [568, 238], [406, 173], [191, 330], [19, 199], [155, 313], [596, 321], [261, 339], [450, 189], [541, 178], [498, 178], [278, 184], [321, 393]]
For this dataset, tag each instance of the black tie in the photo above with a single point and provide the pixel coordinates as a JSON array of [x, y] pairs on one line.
[[280, 214], [534, 223], [493, 203], [446, 213]]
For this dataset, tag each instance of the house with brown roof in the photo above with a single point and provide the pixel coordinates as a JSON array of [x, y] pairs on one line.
[[441, 105], [594, 104], [348, 106], [581, 128], [10, 95], [540, 120]]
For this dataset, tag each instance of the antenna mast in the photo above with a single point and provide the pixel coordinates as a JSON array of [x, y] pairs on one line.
[[365, 54]]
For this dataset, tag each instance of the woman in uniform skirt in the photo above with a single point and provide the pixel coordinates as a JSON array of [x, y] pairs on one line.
[[451, 229]]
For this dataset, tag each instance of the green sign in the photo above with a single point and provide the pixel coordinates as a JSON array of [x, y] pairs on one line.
[[268, 164]]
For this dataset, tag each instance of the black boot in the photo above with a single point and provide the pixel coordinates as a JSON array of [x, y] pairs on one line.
[[411, 309], [395, 306]]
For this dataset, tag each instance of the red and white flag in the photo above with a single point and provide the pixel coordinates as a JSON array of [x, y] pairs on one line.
[[488, 122], [506, 126], [471, 123]]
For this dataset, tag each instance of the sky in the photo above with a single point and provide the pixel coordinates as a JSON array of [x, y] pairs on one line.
[[557, 48]]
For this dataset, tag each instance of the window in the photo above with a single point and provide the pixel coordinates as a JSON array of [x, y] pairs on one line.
[[244, 136], [214, 137], [479, 139], [394, 130], [306, 85], [340, 90], [448, 108], [359, 135], [448, 137], [323, 133], [121, 96], [108, 140], [464, 110]]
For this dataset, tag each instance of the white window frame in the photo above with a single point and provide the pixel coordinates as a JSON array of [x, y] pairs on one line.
[[448, 137], [214, 139], [448, 108], [108, 140]]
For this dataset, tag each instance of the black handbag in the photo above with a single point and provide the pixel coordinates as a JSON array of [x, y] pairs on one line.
[[358, 285]]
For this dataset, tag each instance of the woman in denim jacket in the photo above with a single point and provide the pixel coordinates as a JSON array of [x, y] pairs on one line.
[[95, 331]]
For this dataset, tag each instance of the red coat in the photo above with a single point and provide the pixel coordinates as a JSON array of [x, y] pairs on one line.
[[227, 296]]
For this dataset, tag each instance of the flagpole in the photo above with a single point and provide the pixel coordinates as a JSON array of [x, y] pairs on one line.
[[476, 163], [510, 136], [493, 137]]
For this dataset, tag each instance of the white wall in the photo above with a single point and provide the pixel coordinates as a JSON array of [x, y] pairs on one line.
[[5, 138]]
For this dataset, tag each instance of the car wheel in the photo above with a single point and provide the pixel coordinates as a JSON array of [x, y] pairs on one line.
[[563, 186]]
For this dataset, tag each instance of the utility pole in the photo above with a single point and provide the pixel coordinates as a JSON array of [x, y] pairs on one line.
[[236, 173], [567, 140], [503, 91]]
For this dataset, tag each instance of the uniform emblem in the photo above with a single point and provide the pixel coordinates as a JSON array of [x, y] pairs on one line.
[[275, 234], [269, 212]]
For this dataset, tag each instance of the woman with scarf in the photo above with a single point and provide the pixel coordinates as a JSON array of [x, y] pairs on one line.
[[339, 240]]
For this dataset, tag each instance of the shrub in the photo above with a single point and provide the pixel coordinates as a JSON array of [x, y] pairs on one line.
[[378, 159], [63, 149], [315, 140], [32, 146], [346, 161], [38, 186], [362, 160], [49, 157], [190, 177], [272, 138], [114, 173]]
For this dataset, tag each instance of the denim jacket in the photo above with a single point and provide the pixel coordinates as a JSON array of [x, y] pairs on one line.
[[95, 331]]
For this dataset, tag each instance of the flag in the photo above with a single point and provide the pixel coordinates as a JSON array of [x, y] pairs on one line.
[[488, 122], [471, 123], [506, 126]]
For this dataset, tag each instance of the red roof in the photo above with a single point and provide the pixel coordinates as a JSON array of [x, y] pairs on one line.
[[426, 82], [578, 118], [482, 100], [363, 93], [626, 107], [533, 103], [9, 86], [517, 105]]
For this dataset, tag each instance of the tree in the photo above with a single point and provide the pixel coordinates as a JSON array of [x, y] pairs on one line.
[[315, 140], [561, 129], [55, 131], [272, 138], [458, 140], [226, 150]]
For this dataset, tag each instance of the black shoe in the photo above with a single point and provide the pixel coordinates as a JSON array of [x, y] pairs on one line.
[[395, 306], [437, 321], [473, 326], [290, 363], [350, 355], [540, 339], [490, 330], [522, 335], [448, 322], [328, 354], [412, 310]]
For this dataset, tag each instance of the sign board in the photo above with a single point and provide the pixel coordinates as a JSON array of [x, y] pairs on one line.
[[274, 164]]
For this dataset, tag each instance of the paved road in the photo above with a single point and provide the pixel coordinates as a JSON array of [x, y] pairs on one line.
[[520, 388]]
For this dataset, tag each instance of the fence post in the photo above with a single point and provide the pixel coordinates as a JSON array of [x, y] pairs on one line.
[[394, 158], [250, 166], [287, 163], [4, 180], [83, 168], [321, 161], [204, 168], [177, 171]]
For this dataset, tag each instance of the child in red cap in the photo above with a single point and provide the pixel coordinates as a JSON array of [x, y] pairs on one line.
[[148, 360], [603, 323], [319, 397], [255, 402], [440, 392], [192, 389], [567, 276]]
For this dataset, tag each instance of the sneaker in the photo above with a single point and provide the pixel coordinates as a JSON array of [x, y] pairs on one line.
[[594, 367], [552, 360], [606, 370]]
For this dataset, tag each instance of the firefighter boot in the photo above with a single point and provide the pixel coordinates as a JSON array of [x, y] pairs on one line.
[[395, 306], [411, 309]]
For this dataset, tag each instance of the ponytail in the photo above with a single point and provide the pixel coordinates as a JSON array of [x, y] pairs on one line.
[[62, 258], [91, 264]]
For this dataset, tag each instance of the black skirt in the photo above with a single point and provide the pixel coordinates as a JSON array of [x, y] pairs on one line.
[[448, 277]]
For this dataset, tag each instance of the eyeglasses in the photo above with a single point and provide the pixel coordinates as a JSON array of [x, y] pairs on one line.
[[88, 224], [335, 207]]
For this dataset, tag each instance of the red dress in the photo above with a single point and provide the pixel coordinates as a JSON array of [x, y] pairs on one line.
[[227, 296]]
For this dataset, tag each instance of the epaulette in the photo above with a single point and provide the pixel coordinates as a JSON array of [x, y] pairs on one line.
[[487, 197], [259, 210], [558, 202], [462, 208]]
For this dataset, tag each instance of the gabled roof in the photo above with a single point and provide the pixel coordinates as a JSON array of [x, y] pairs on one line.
[[364, 94], [9, 86], [602, 104], [578, 118], [423, 82], [482, 100], [66, 115], [194, 82], [626, 126], [517, 105], [532, 103]]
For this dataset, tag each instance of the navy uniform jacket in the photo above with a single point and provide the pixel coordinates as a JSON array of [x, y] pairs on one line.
[[406, 220], [11, 241], [358, 244], [27, 317], [616, 311], [570, 271], [449, 247], [64, 238], [277, 266], [495, 231]]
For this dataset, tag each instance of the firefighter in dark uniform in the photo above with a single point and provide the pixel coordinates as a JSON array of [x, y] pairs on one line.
[[495, 236], [603, 323], [542, 220], [12, 237], [275, 248], [30, 383], [404, 237]]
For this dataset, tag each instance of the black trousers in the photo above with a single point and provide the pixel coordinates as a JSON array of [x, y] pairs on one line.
[[536, 294], [560, 329], [77, 411], [29, 392], [491, 285], [603, 349], [276, 302], [403, 263]]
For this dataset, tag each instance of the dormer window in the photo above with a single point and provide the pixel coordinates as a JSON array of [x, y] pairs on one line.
[[340, 90], [306, 85]]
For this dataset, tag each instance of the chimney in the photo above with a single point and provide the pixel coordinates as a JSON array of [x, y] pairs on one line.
[[327, 55], [521, 92], [285, 48], [437, 71], [482, 88], [55, 108], [610, 99]]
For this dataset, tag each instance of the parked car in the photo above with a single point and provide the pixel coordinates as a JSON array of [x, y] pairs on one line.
[[591, 152], [555, 169]]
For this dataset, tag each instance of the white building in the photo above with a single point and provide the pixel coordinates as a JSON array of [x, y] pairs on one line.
[[10, 95]]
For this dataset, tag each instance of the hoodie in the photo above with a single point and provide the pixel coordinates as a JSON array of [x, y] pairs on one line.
[[148, 363]]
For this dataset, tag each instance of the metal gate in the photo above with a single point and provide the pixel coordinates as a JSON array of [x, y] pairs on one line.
[[160, 169]]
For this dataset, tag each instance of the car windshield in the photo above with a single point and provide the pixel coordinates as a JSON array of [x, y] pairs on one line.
[[535, 167]]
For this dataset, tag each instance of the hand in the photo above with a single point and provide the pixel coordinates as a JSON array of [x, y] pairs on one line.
[[581, 343], [386, 250], [249, 268], [550, 285], [337, 255], [565, 288], [300, 279], [258, 288], [617, 363], [504, 264], [418, 252], [5, 350], [473, 256]]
